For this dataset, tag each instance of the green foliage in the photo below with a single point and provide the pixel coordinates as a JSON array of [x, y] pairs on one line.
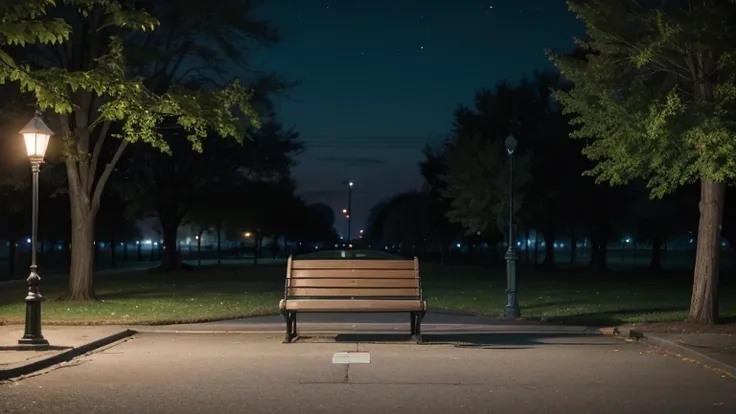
[[478, 182], [653, 90], [122, 98]]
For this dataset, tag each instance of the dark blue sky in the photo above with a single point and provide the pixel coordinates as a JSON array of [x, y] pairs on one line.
[[383, 77]]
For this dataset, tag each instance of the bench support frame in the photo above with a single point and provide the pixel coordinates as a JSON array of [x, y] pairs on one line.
[[416, 325], [291, 332]]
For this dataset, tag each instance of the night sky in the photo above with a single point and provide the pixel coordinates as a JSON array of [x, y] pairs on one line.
[[380, 78]]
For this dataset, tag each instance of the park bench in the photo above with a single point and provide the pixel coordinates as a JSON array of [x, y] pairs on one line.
[[352, 286]]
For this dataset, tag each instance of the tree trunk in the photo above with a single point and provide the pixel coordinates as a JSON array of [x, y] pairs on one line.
[[171, 257], [113, 241], [12, 253], [704, 301], [655, 265], [549, 251], [81, 268], [199, 249], [219, 239], [256, 248], [573, 247]]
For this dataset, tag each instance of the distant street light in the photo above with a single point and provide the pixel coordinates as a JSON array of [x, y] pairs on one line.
[[350, 206], [511, 311], [36, 136]]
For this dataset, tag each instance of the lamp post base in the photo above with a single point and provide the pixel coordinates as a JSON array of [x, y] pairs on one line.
[[511, 312], [33, 341], [32, 334]]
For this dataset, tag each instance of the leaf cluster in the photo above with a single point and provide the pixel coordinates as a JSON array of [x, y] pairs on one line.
[[654, 91]]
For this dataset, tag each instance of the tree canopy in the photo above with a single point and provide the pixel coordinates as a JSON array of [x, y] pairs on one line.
[[639, 95], [71, 56], [653, 96]]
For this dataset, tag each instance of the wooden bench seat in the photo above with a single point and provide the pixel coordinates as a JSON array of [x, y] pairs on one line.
[[352, 286]]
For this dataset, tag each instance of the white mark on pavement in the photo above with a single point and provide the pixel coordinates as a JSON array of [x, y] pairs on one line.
[[351, 358]]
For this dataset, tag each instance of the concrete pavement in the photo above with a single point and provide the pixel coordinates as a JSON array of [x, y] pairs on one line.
[[241, 373], [316, 323], [713, 350], [65, 343]]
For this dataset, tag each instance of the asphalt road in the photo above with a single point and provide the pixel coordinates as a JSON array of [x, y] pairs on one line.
[[498, 373]]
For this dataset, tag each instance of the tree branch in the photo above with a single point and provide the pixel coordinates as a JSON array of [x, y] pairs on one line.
[[75, 184], [106, 176], [96, 153]]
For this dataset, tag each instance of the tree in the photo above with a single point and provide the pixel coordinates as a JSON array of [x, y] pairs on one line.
[[169, 186], [478, 182], [324, 211], [653, 96], [309, 224], [442, 231], [75, 67], [407, 222]]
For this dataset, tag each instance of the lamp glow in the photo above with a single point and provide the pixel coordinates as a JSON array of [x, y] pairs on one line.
[[36, 135]]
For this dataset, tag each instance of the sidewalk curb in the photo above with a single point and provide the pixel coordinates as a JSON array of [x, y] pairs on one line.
[[684, 351], [670, 346], [65, 356]]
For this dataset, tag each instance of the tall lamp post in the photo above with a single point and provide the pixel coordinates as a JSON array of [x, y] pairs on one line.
[[511, 311], [350, 207], [36, 136]]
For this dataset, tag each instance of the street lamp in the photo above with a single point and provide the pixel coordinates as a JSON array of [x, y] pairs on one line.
[[511, 311], [36, 136], [350, 206]]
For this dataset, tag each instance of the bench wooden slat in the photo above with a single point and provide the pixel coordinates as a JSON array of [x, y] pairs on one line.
[[310, 291], [355, 273], [352, 264], [349, 282], [359, 305]]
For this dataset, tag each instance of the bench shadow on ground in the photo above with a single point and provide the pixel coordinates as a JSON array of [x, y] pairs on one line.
[[470, 340]]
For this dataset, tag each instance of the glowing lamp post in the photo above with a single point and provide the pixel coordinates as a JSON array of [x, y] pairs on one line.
[[36, 136], [350, 206], [511, 311]]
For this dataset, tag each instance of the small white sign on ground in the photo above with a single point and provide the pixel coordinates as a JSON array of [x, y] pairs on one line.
[[351, 358]]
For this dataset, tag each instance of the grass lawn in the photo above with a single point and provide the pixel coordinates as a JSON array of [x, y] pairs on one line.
[[216, 293]]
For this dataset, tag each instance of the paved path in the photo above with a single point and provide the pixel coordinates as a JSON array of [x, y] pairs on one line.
[[240, 373], [387, 323]]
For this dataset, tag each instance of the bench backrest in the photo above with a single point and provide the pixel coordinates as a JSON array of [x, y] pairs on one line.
[[353, 279]]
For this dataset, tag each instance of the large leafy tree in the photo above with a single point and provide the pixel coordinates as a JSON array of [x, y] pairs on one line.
[[477, 164], [76, 69], [478, 183], [654, 95]]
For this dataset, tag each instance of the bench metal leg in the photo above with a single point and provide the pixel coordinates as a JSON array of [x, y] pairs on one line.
[[290, 318], [417, 326], [413, 323]]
